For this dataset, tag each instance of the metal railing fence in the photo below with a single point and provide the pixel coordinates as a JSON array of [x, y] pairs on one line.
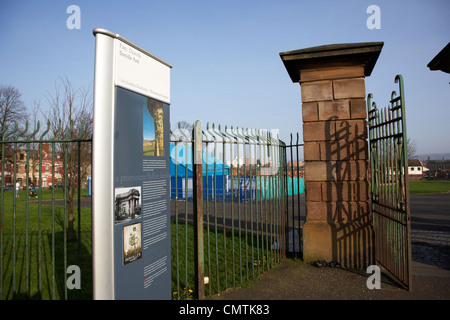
[[295, 201], [40, 235], [249, 202], [243, 208]]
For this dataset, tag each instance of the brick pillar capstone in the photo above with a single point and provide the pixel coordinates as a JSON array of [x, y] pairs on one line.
[[338, 225]]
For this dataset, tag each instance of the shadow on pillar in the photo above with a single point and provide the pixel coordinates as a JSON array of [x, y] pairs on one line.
[[347, 193]]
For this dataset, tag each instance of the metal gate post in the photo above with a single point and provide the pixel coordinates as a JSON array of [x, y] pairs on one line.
[[198, 211]]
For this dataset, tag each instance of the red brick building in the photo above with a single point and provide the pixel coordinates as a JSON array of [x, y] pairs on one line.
[[49, 177]]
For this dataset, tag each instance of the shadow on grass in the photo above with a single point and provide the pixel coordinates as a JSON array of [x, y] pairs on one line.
[[34, 262]]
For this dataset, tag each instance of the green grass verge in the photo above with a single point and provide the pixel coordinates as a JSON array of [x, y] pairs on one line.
[[28, 275], [230, 260], [429, 186]]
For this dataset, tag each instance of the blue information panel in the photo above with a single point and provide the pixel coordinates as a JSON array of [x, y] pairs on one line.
[[141, 197]]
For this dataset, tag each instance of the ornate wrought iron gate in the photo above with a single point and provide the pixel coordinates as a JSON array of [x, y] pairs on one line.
[[389, 189]]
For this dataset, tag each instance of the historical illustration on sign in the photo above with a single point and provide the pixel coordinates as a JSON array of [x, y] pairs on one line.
[[132, 243], [127, 204], [153, 144]]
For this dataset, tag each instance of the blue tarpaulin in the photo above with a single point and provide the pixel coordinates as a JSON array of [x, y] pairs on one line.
[[213, 168], [178, 154], [217, 180]]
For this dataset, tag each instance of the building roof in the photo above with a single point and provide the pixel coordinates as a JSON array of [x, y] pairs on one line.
[[414, 163], [441, 61]]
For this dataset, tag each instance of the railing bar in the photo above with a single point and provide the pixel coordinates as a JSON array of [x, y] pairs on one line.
[[46, 141], [256, 209], [275, 207], [215, 217], [245, 211], [239, 211], [207, 219], [15, 196], [27, 240], [65, 216], [262, 211], [53, 224], [298, 196], [79, 208], [177, 242], [272, 215], [1, 216], [232, 214], [251, 214], [285, 200], [223, 213], [265, 211], [40, 217], [293, 198], [186, 195]]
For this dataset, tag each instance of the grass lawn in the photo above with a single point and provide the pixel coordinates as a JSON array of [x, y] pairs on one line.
[[24, 269], [229, 260], [429, 186], [26, 274], [22, 264]]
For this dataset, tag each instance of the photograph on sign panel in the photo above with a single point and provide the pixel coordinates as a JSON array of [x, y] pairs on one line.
[[128, 204], [132, 240], [153, 144]]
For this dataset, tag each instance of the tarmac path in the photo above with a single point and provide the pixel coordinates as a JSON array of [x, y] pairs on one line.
[[430, 237]]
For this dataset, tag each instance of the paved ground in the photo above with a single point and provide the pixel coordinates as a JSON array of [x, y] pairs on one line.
[[430, 235]]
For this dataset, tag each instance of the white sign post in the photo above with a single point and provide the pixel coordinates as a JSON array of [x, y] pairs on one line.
[[128, 81]]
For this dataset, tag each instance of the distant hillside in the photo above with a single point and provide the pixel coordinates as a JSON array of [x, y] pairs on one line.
[[434, 156]]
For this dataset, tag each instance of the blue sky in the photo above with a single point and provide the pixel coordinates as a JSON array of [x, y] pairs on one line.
[[225, 54]]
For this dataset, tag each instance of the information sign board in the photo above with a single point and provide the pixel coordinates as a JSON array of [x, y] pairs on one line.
[[131, 171]]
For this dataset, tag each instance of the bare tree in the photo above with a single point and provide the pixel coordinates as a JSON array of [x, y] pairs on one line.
[[12, 108], [13, 112], [34, 147], [412, 148], [70, 116], [185, 127]]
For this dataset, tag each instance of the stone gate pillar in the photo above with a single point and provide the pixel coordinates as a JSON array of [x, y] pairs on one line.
[[338, 225]]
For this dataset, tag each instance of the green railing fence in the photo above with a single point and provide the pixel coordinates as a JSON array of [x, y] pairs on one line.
[[243, 204], [233, 220], [40, 234], [296, 210]]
